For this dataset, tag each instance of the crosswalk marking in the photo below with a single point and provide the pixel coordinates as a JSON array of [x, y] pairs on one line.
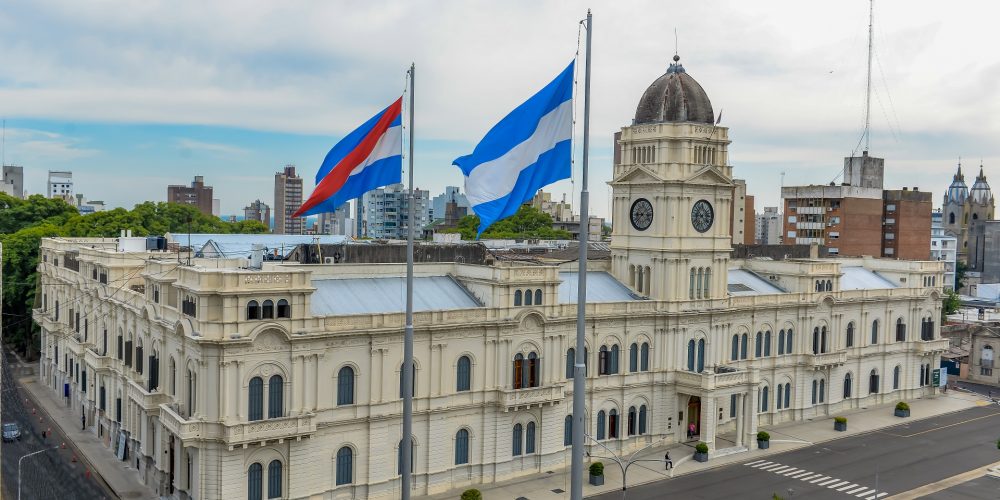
[[818, 479]]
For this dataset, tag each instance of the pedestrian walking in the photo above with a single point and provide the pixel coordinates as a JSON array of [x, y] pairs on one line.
[[669, 464], [83, 422], [691, 430]]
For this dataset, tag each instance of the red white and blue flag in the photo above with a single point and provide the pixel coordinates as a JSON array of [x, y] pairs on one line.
[[369, 157]]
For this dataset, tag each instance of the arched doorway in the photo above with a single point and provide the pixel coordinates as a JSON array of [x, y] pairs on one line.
[[693, 418]]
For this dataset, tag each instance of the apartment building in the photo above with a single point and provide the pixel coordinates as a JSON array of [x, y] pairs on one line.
[[287, 199], [197, 195]]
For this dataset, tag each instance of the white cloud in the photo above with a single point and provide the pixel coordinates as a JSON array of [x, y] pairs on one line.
[[210, 147]]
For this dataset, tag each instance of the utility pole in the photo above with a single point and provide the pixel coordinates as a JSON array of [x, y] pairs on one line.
[[868, 91]]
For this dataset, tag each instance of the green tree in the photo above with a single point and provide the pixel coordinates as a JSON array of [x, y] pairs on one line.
[[527, 223], [950, 305], [960, 269], [17, 214]]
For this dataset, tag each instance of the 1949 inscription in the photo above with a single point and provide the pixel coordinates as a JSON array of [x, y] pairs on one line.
[[267, 278]]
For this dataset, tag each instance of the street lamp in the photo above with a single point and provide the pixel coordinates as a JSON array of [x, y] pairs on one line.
[[19, 467], [622, 462]]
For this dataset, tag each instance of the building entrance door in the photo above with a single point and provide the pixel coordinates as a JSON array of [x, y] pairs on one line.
[[693, 417]]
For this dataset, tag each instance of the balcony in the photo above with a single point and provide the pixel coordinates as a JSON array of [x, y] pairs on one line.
[[188, 430], [707, 381], [96, 361], [147, 400], [826, 359], [269, 430], [513, 399], [932, 346]]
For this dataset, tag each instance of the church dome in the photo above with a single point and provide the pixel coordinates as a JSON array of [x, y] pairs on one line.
[[674, 97], [981, 189], [958, 191]]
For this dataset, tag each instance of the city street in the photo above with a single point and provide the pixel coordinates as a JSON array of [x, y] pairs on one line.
[[877, 464], [52, 473]]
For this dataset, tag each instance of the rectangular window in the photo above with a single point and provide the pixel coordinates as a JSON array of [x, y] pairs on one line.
[[890, 207], [791, 234], [792, 219], [889, 251], [986, 371]]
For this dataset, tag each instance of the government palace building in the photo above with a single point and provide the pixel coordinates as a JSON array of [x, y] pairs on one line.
[[237, 377]]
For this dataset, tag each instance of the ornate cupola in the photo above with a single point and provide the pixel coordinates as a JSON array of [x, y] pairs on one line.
[[981, 193], [958, 191]]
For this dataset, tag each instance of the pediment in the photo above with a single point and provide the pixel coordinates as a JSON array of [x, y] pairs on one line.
[[709, 175], [638, 175]]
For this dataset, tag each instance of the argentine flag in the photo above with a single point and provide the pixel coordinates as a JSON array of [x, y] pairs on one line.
[[529, 149]]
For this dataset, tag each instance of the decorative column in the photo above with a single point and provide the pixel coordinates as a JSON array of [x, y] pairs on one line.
[[236, 394], [740, 420], [225, 389], [708, 420]]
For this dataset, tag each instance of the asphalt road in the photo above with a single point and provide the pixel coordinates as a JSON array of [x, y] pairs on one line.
[[889, 461], [47, 475]]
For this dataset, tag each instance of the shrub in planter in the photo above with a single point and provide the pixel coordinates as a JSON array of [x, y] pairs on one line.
[[840, 424], [701, 452], [902, 409], [763, 440], [998, 444], [597, 474], [472, 494]]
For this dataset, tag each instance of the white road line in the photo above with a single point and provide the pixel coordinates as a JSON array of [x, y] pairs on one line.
[[824, 483], [761, 465], [855, 490], [799, 475], [754, 462], [772, 467], [836, 485], [867, 491], [780, 469], [880, 495], [808, 476], [818, 479], [842, 488], [791, 471]]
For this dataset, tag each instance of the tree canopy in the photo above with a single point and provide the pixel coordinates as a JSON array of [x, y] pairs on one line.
[[528, 223], [23, 224]]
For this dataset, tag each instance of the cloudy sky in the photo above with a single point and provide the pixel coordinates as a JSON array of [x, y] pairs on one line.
[[133, 96]]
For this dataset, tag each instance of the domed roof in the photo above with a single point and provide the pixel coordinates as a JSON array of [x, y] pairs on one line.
[[674, 97], [981, 189], [958, 191]]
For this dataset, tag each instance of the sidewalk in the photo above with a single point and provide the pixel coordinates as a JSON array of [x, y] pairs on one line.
[[784, 437], [123, 480]]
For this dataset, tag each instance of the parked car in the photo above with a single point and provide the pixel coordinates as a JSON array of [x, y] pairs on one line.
[[11, 432]]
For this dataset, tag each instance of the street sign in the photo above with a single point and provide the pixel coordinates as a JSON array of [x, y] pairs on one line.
[[944, 377], [936, 377]]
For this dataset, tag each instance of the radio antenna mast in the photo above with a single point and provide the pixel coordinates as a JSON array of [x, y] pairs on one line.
[[868, 90]]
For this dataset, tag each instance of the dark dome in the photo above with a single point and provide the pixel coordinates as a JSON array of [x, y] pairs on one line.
[[674, 97]]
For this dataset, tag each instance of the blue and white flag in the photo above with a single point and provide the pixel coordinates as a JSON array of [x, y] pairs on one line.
[[529, 149]]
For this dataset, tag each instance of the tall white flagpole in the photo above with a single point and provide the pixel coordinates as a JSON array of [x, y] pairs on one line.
[[580, 360], [406, 444]]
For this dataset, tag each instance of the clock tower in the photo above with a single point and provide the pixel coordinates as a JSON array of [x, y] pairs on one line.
[[672, 194]]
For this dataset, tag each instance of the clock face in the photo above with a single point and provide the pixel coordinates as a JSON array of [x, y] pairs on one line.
[[641, 214], [702, 216]]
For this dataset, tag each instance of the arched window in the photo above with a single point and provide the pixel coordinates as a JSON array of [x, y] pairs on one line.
[[256, 401], [345, 386], [763, 399], [788, 341], [781, 342], [275, 398], [464, 381], [253, 310], [814, 393], [850, 334], [529, 439], [642, 420], [778, 400], [462, 447], [528, 297], [690, 363], [873, 385], [744, 342], [284, 310], [267, 310], [517, 438], [613, 424], [759, 345], [701, 277], [708, 283], [900, 330], [735, 354], [519, 367], [767, 343], [829, 286], [847, 386], [690, 292], [822, 390], [517, 297], [538, 297], [816, 340], [631, 421], [570, 362], [633, 357], [399, 458], [274, 479], [600, 424], [173, 377], [255, 482], [345, 466], [895, 377], [788, 395], [701, 355], [874, 332], [644, 357], [614, 359], [951, 218], [532, 370], [822, 339], [568, 430]]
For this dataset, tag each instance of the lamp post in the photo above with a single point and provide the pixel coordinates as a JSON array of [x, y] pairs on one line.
[[19, 467], [624, 463]]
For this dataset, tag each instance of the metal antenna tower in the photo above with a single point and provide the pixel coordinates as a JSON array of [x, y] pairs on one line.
[[868, 90]]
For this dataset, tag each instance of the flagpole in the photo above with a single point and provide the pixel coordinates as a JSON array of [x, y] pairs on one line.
[[406, 445], [580, 360]]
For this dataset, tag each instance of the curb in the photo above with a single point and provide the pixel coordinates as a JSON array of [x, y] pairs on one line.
[[82, 457]]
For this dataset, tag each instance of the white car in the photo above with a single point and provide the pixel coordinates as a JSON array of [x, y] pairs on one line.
[[11, 432]]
